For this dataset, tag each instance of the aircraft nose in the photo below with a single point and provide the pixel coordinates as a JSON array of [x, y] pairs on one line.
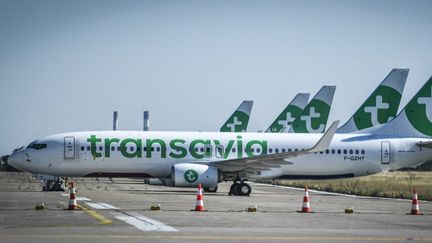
[[16, 160]]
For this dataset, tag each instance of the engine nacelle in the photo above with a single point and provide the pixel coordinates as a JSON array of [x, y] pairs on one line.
[[190, 175]]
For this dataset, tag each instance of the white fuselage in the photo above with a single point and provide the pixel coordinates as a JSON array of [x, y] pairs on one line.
[[152, 154]]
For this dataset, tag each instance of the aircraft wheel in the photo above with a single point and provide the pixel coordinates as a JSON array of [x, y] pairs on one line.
[[240, 189]]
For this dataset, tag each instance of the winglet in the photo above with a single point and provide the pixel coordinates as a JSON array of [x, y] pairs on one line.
[[326, 139]]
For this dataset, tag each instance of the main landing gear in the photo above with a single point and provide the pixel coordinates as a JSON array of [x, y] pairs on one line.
[[240, 188]]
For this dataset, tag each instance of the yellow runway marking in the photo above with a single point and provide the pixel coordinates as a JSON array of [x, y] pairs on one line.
[[96, 215]]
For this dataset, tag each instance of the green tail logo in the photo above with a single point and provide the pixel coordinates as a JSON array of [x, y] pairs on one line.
[[379, 108], [285, 119], [239, 120], [289, 114], [419, 109], [313, 119]]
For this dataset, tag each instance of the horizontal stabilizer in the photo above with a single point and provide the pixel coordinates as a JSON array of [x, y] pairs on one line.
[[425, 144]]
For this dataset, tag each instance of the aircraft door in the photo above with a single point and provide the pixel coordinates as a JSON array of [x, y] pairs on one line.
[[69, 148], [385, 152]]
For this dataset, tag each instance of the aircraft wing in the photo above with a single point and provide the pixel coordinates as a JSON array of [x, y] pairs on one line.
[[268, 161]]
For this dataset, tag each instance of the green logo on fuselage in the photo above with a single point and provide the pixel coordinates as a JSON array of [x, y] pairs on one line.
[[176, 148]]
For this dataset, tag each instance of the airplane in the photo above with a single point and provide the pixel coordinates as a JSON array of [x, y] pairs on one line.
[[313, 118], [381, 106], [289, 114], [207, 158], [239, 120]]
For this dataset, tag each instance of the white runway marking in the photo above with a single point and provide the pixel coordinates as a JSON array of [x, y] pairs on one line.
[[143, 223], [101, 205]]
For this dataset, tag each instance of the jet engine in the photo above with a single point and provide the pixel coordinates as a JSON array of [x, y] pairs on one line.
[[190, 175]]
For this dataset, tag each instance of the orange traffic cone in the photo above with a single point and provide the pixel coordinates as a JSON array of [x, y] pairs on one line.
[[306, 208], [199, 201], [415, 210], [72, 197]]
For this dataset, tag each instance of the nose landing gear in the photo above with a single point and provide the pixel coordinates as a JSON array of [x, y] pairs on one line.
[[240, 188]]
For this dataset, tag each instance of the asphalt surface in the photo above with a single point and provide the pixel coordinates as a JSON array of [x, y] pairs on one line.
[[119, 210]]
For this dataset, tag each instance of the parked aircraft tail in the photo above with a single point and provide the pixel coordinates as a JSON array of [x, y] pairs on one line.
[[289, 114], [239, 120], [415, 120], [381, 106], [314, 117]]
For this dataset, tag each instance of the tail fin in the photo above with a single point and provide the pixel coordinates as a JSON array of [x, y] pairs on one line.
[[381, 106], [415, 120], [290, 113], [314, 117], [239, 120]]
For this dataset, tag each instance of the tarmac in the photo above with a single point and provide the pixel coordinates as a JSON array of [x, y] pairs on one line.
[[119, 210]]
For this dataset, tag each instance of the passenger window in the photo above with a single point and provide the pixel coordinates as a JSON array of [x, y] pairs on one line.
[[327, 151], [339, 151], [158, 149], [131, 149], [252, 150], [100, 148], [362, 151], [118, 148], [152, 149], [276, 150], [283, 150], [112, 148], [356, 151], [289, 150], [233, 150], [351, 151], [88, 148], [321, 152], [345, 151], [295, 150], [82, 148], [333, 151], [145, 149], [258, 150], [201, 150], [270, 150]]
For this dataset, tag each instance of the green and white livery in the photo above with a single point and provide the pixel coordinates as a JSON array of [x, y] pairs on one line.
[[187, 159], [415, 119], [239, 120], [381, 106], [314, 116], [289, 114]]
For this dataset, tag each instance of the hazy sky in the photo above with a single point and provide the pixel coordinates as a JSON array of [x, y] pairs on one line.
[[66, 65]]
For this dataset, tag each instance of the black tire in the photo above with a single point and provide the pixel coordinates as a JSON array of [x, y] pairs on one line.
[[232, 189]]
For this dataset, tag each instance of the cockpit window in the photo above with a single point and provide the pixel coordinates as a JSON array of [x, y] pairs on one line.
[[37, 146]]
